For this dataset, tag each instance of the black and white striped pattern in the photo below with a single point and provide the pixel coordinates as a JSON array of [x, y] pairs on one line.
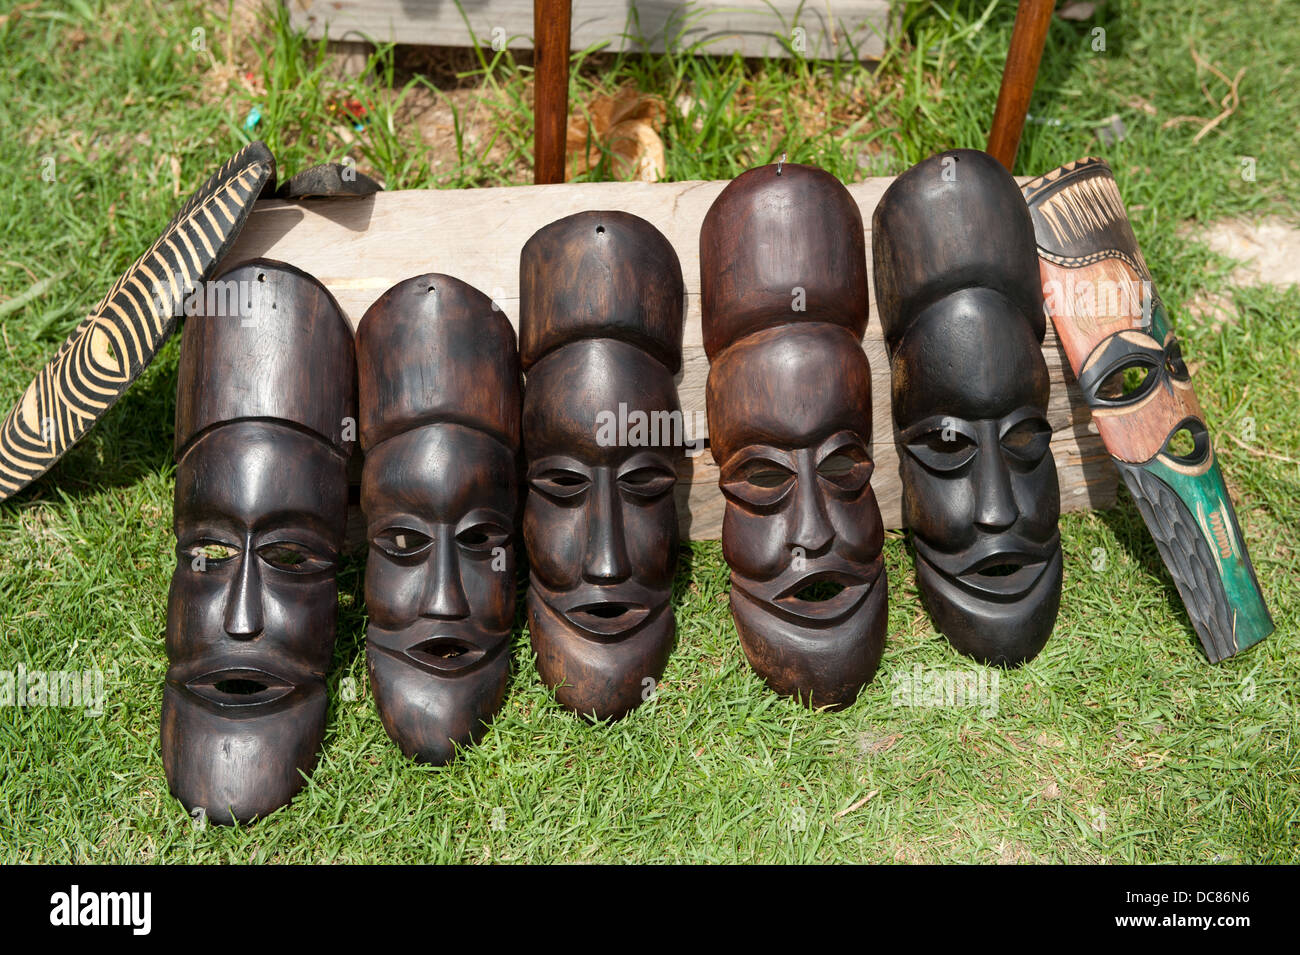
[[113, 344]]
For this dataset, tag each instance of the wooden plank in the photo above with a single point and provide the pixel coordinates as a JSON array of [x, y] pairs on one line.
[[360, 247], [817, 29]]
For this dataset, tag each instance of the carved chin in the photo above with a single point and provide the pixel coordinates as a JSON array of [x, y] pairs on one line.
[[244, 761], [997, 630], [601, 677], [821, 666], [428, 713]]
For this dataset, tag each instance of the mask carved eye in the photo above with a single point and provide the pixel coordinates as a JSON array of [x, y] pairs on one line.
[[943, 449], [212, 551], [402, 542], [1028, 441], [1189, 444], [759, 481], [848, 468], [483, 536], [647, 482], [561, 483], [1129, 382], [293, 558]]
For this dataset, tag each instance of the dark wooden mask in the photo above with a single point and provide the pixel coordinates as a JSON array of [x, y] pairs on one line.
[[601, 299], [783, 278], [265, 412], [439, 399], [957, 283]]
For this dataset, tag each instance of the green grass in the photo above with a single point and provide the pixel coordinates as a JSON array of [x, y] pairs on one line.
[[1119, 743]]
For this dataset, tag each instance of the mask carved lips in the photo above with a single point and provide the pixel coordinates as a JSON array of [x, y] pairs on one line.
[[241, 686], [610, 611], [1004, 566], [442, 653], [826, 593]]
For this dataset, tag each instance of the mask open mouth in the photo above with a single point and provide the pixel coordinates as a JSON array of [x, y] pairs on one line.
[[607, 617], [445, 653], [823, 595], [240, 686], [1008, 574]]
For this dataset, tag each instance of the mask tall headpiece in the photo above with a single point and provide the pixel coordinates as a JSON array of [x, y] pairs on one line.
[[266, 404], [1122, 348], [783, 278], [601, 299], [960, 303], [439, 401]]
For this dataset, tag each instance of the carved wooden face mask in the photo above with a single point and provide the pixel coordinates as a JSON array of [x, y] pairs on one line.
[[439, 400], [784, 285], [600, 332], [1122, 347], [957, 285], [265, 397]]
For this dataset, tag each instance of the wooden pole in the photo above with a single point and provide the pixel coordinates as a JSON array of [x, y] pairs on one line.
[[551, 25], [1018, 76]]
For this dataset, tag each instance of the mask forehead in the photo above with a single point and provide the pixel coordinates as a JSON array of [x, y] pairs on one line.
[[968, 356], [789, 387], [410, 472], [573, 395], [258, 474]]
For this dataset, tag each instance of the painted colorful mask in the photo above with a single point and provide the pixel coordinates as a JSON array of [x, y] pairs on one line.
[[266, 398], [601, 300], [439, 401], [960, 303], [783, 279], [1122, 348]]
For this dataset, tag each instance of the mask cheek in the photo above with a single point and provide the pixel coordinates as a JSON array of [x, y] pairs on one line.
[[650, 533], [1038, 498], [300, 618], [393, 590], [489, 585], [939, 508], [859, 531], [555, 537], [196, 607], [756, 545]]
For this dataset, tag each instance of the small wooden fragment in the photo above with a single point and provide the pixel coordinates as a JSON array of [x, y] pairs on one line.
[[360, 247]]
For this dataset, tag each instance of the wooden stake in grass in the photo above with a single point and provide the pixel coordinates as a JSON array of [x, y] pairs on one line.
[[551, 21], [1018, 76]]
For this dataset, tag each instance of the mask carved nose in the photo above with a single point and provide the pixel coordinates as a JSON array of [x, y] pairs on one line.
[[812, 526], [244, 604], [444, 597], [606, 559], [995, 504]]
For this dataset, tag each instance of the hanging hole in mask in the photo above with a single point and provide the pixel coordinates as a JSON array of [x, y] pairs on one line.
[[431, 289], [819, 591], [600, 230], [1127, 383], [1189, 444], [240, 687]]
